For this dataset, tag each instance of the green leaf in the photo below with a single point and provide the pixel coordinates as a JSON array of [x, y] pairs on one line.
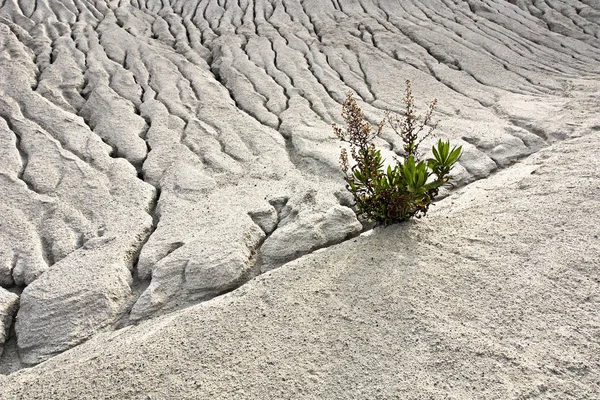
[[455, 155], [403, 186], [433, 185], [431, 164], [436, 153], [445, 148]]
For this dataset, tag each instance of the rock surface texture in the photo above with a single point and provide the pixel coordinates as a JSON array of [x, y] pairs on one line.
[[158, 154], [494, 296], [9, 303]]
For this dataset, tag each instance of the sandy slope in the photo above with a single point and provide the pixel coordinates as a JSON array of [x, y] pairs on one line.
[[494, 296]]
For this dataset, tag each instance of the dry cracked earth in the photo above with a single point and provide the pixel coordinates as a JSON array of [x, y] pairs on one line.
[[160, 159]]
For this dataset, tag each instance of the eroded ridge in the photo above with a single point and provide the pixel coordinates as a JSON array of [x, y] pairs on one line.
[[159, 153]]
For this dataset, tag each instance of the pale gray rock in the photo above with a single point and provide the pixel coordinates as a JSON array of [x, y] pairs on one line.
[[84, 293], [9, 303], [113, 119], [502, 150], [488, 295], [217, 260], [266, 218], [306, 225], [12, 159], [477, 163], [171, 127], [63, 191], [21, 250]]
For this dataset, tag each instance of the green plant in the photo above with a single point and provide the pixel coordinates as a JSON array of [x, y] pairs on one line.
[[401, 191]]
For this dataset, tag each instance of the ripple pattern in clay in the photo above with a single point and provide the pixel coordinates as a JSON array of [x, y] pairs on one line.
[[154, 154]]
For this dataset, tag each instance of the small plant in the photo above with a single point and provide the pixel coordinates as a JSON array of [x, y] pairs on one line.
[[406, 189]]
